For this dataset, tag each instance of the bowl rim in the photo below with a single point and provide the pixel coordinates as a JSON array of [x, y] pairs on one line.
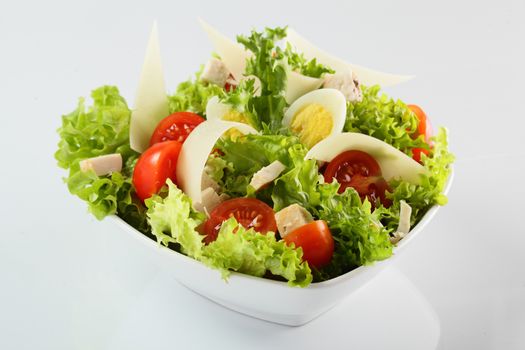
[[429, 215]]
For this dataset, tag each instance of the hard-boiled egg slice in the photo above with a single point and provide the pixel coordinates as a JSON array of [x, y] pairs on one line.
[[316, 115], [196, 150], [394, 163], [366, 76]]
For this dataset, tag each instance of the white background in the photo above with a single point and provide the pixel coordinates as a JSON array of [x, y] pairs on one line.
[[68, 281]]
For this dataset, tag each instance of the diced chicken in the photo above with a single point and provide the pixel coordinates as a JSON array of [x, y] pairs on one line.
[[207, 181], [210, 199], [215, 72], [267, 175], [291, 218], [405, 211], [102, 165], [347, 83]]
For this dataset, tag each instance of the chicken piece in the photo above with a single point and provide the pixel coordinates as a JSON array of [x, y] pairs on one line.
[[291, 218], [266, 175], [215, 72], [207, 181], [347, 83], [102, 165]]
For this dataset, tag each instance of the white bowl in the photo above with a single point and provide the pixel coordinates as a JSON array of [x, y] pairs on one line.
[[266, 299]]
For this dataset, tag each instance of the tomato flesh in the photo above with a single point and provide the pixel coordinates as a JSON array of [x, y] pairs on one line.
[[316, 241], [424, 128], [249, 212], [157, 164], [359, 170], [175, 127]]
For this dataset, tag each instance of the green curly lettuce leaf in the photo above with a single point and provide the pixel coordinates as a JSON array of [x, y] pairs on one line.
[[429, 192], [193, 95], [299, 63], [244, 156], [384, 118], [269, 66], [89, 132], [359, 237], [298, 185], [173, 220], [252, 253]]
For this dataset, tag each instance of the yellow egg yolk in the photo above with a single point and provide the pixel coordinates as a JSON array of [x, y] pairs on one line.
[[234, 116], [312, 123]]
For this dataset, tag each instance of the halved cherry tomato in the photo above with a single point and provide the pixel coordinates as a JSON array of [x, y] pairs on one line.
[[423, 128], [361, 171], [316, 240], [249, 212], [175, 127], [154, 167]]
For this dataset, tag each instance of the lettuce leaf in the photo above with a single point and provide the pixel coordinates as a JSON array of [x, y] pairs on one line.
[[249, 252], [427, 194], [384, 118], [300, 64], [101, 129], [246, 155], [269, 66], [193, 95], [173, 220], [359, 237], [299, 185], [89, 132]]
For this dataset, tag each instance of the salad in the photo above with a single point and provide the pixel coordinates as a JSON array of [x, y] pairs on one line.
[[275, 160]]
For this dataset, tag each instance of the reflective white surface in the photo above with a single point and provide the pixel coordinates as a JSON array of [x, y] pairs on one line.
[[67, 282]]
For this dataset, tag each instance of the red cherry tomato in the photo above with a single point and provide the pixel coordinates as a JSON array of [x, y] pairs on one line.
[[154, 167], [423, 128], [361, 171], [316, 240], [249, 212], [175, 127]]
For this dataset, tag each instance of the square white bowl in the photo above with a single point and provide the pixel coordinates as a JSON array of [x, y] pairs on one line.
[[262, 298]]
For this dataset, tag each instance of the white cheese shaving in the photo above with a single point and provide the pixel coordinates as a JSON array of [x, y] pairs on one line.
[[195, 151], [151, 102], [367, 76]]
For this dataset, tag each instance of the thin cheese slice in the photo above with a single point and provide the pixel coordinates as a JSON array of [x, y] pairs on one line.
[[297, 85], [151, 102], [393, 162], [195, 151], [367, 76], [232, 54], [234, 57]]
